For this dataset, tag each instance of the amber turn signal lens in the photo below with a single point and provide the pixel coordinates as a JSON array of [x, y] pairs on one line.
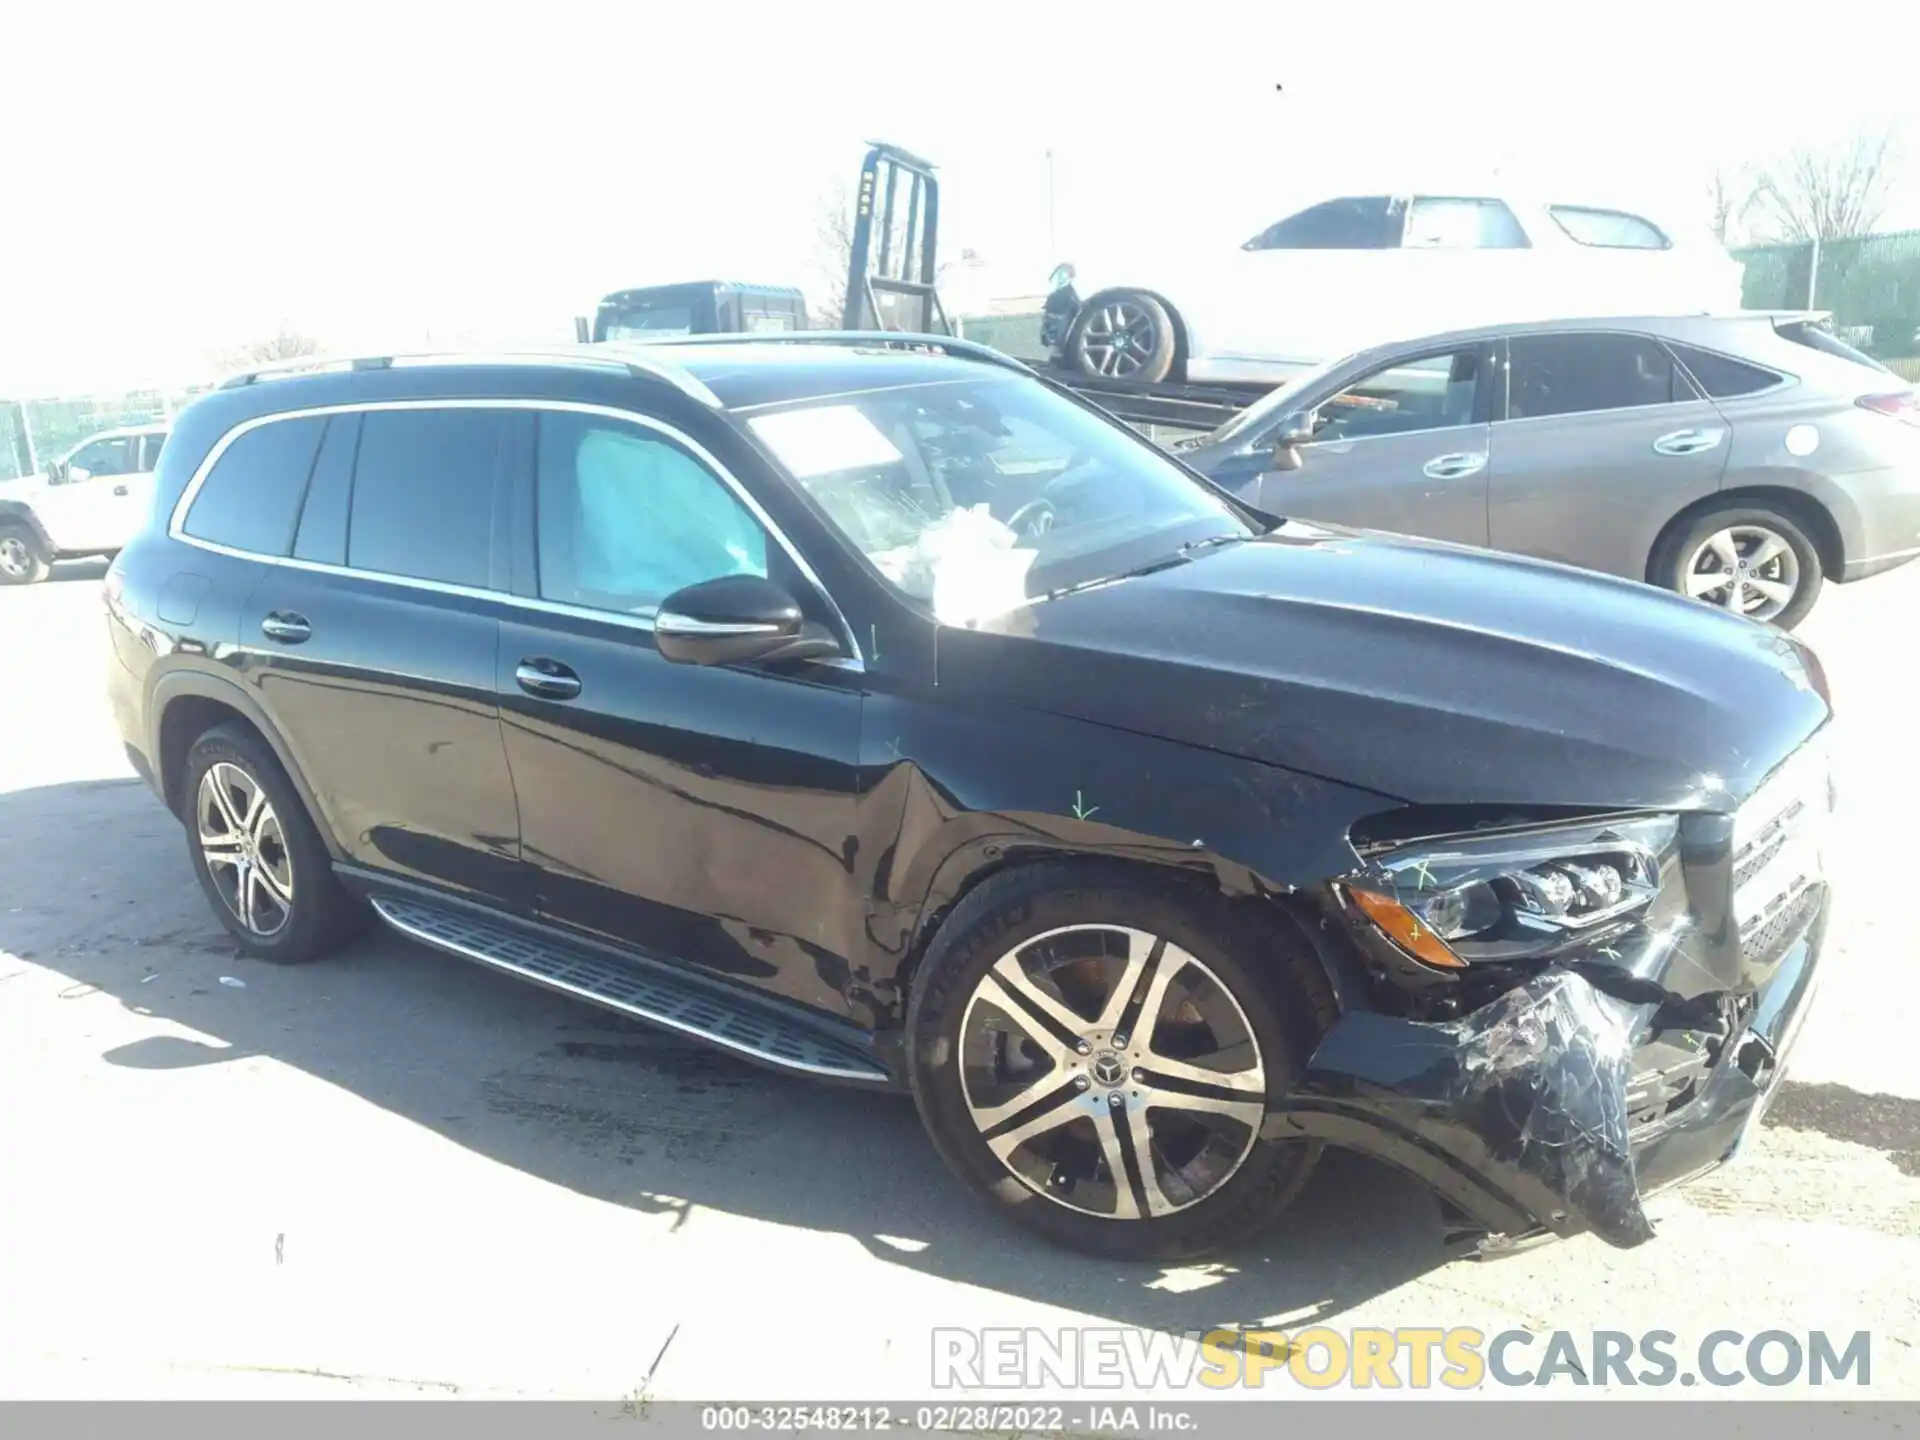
[[1406, 930]]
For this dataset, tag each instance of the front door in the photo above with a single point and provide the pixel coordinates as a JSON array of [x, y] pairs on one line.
[[88, 512], [1402, 448], [701, 814], [1604, 440]]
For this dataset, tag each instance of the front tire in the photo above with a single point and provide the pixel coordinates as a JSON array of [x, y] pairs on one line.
[[23, 560], [1122, 335], [256, 852], [1097, 1056], [1748, 560]]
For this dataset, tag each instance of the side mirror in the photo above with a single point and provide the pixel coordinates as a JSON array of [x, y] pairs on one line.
[[736, 618], [1296, 429]]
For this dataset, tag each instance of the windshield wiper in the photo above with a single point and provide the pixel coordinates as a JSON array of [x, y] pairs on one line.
[[1165, 562], [1193, 547]]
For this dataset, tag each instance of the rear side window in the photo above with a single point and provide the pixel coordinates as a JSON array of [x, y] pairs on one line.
[[1723, 377], [150, 452], [423, 494], [1609, 229], [322, 535], [1365, 222], [1805, 332], [251, 498], [1576, 374], [1445, 223]]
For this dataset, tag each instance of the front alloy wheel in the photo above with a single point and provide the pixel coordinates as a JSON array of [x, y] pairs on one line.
[[245, 849], [1111, 1071]]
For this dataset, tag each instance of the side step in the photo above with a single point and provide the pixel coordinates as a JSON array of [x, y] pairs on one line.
[[753, 1031]]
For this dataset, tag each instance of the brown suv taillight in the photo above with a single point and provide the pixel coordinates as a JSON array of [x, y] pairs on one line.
[[1900, 404]]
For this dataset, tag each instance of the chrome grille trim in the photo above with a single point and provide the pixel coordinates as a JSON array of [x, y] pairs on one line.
[[1779, 837]]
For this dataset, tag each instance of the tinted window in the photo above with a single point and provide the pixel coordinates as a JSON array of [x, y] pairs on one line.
[[1569, 374], [1369, 222], [626, 517], [150, 452], [1722, 377], [251, 497], [323, 522], [118, 456], [1437, 223], [423, 494], [1611, 229], [1432, 393]]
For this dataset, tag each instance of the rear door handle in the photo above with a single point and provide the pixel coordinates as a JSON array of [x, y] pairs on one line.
[[1688, 442], [1452, 467], [547, 679], [286, 627]]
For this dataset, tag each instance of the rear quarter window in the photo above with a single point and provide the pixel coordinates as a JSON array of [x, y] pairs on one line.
[[1609, 229], [251, 498], [1723, 377]]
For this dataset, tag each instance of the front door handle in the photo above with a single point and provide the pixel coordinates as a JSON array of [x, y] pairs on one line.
[[547, 679], [1452, 467], [119, 489], [1688, 442], [286, 627]]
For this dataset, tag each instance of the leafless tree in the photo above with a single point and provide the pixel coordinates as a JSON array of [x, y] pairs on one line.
[[1730, 199], [1828, 192], [286, 343]]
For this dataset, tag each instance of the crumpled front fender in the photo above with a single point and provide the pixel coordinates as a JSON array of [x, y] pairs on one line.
[[1516, 1113]]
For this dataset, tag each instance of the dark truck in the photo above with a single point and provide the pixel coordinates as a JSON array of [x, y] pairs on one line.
[[704, 307]]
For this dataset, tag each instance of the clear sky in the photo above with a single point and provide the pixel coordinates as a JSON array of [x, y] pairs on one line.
[[183, 178]]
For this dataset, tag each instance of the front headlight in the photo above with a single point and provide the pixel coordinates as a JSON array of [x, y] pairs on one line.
[[1061, 278], [1515, 895]]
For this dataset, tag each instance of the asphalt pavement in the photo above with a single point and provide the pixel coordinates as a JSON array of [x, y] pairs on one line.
[[395, 1173]]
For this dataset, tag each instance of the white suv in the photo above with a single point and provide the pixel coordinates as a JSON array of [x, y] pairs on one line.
[[89, 502], [1366, 269]]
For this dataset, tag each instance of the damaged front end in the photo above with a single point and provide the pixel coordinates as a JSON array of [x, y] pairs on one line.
[[1573, 1016]]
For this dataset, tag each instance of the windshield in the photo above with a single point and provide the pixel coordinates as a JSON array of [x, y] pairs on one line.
[[974, 496], [1276, 402]]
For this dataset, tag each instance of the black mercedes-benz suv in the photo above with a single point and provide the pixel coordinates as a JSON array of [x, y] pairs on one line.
[[873, 709]]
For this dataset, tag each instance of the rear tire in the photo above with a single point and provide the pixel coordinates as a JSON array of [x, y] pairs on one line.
[[1747, 559], [1084, 938], [256, 853], [23, 561], [1122, 335]]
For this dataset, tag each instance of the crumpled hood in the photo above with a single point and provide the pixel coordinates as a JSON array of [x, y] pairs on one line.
[[1429, 673]]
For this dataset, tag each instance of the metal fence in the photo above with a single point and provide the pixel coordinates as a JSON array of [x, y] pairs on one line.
[[36, 432], [1871, 283]]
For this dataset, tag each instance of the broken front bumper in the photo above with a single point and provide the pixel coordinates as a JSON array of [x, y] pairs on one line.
[[1560, 1105]]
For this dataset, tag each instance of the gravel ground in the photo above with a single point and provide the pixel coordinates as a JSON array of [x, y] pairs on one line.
[[396, 1173]]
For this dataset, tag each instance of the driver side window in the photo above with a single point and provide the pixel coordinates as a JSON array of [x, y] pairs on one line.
[[104, 457], [1432, 392], [1363, 222], [625, 517]]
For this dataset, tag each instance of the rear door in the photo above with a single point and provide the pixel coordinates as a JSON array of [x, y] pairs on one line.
[[1402, 448], [1604, 440], [373, 645]]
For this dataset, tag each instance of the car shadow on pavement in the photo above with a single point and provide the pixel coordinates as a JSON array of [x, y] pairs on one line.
[[95, 885]]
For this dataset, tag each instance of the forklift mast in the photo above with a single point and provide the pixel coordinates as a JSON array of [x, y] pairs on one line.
[[891, 268]]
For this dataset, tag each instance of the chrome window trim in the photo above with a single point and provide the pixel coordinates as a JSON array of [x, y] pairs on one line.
[[176, 520]]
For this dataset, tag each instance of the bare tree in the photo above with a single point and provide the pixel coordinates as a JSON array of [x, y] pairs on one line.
[[1730, 199], [286, 343], [1830, 192]]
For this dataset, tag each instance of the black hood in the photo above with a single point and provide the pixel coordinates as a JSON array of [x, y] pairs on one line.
[[1430, 673]]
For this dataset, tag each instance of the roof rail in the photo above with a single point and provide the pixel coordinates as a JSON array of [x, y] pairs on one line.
[[885, 339], [641, 366]]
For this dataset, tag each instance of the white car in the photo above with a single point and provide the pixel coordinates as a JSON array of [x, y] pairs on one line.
[[1364, 269], [89, 502]]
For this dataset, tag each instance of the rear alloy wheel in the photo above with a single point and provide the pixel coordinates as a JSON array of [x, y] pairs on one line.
[[1125, 335], [257, 854], [1749, 562], [22, 561], [1100, 1063]]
